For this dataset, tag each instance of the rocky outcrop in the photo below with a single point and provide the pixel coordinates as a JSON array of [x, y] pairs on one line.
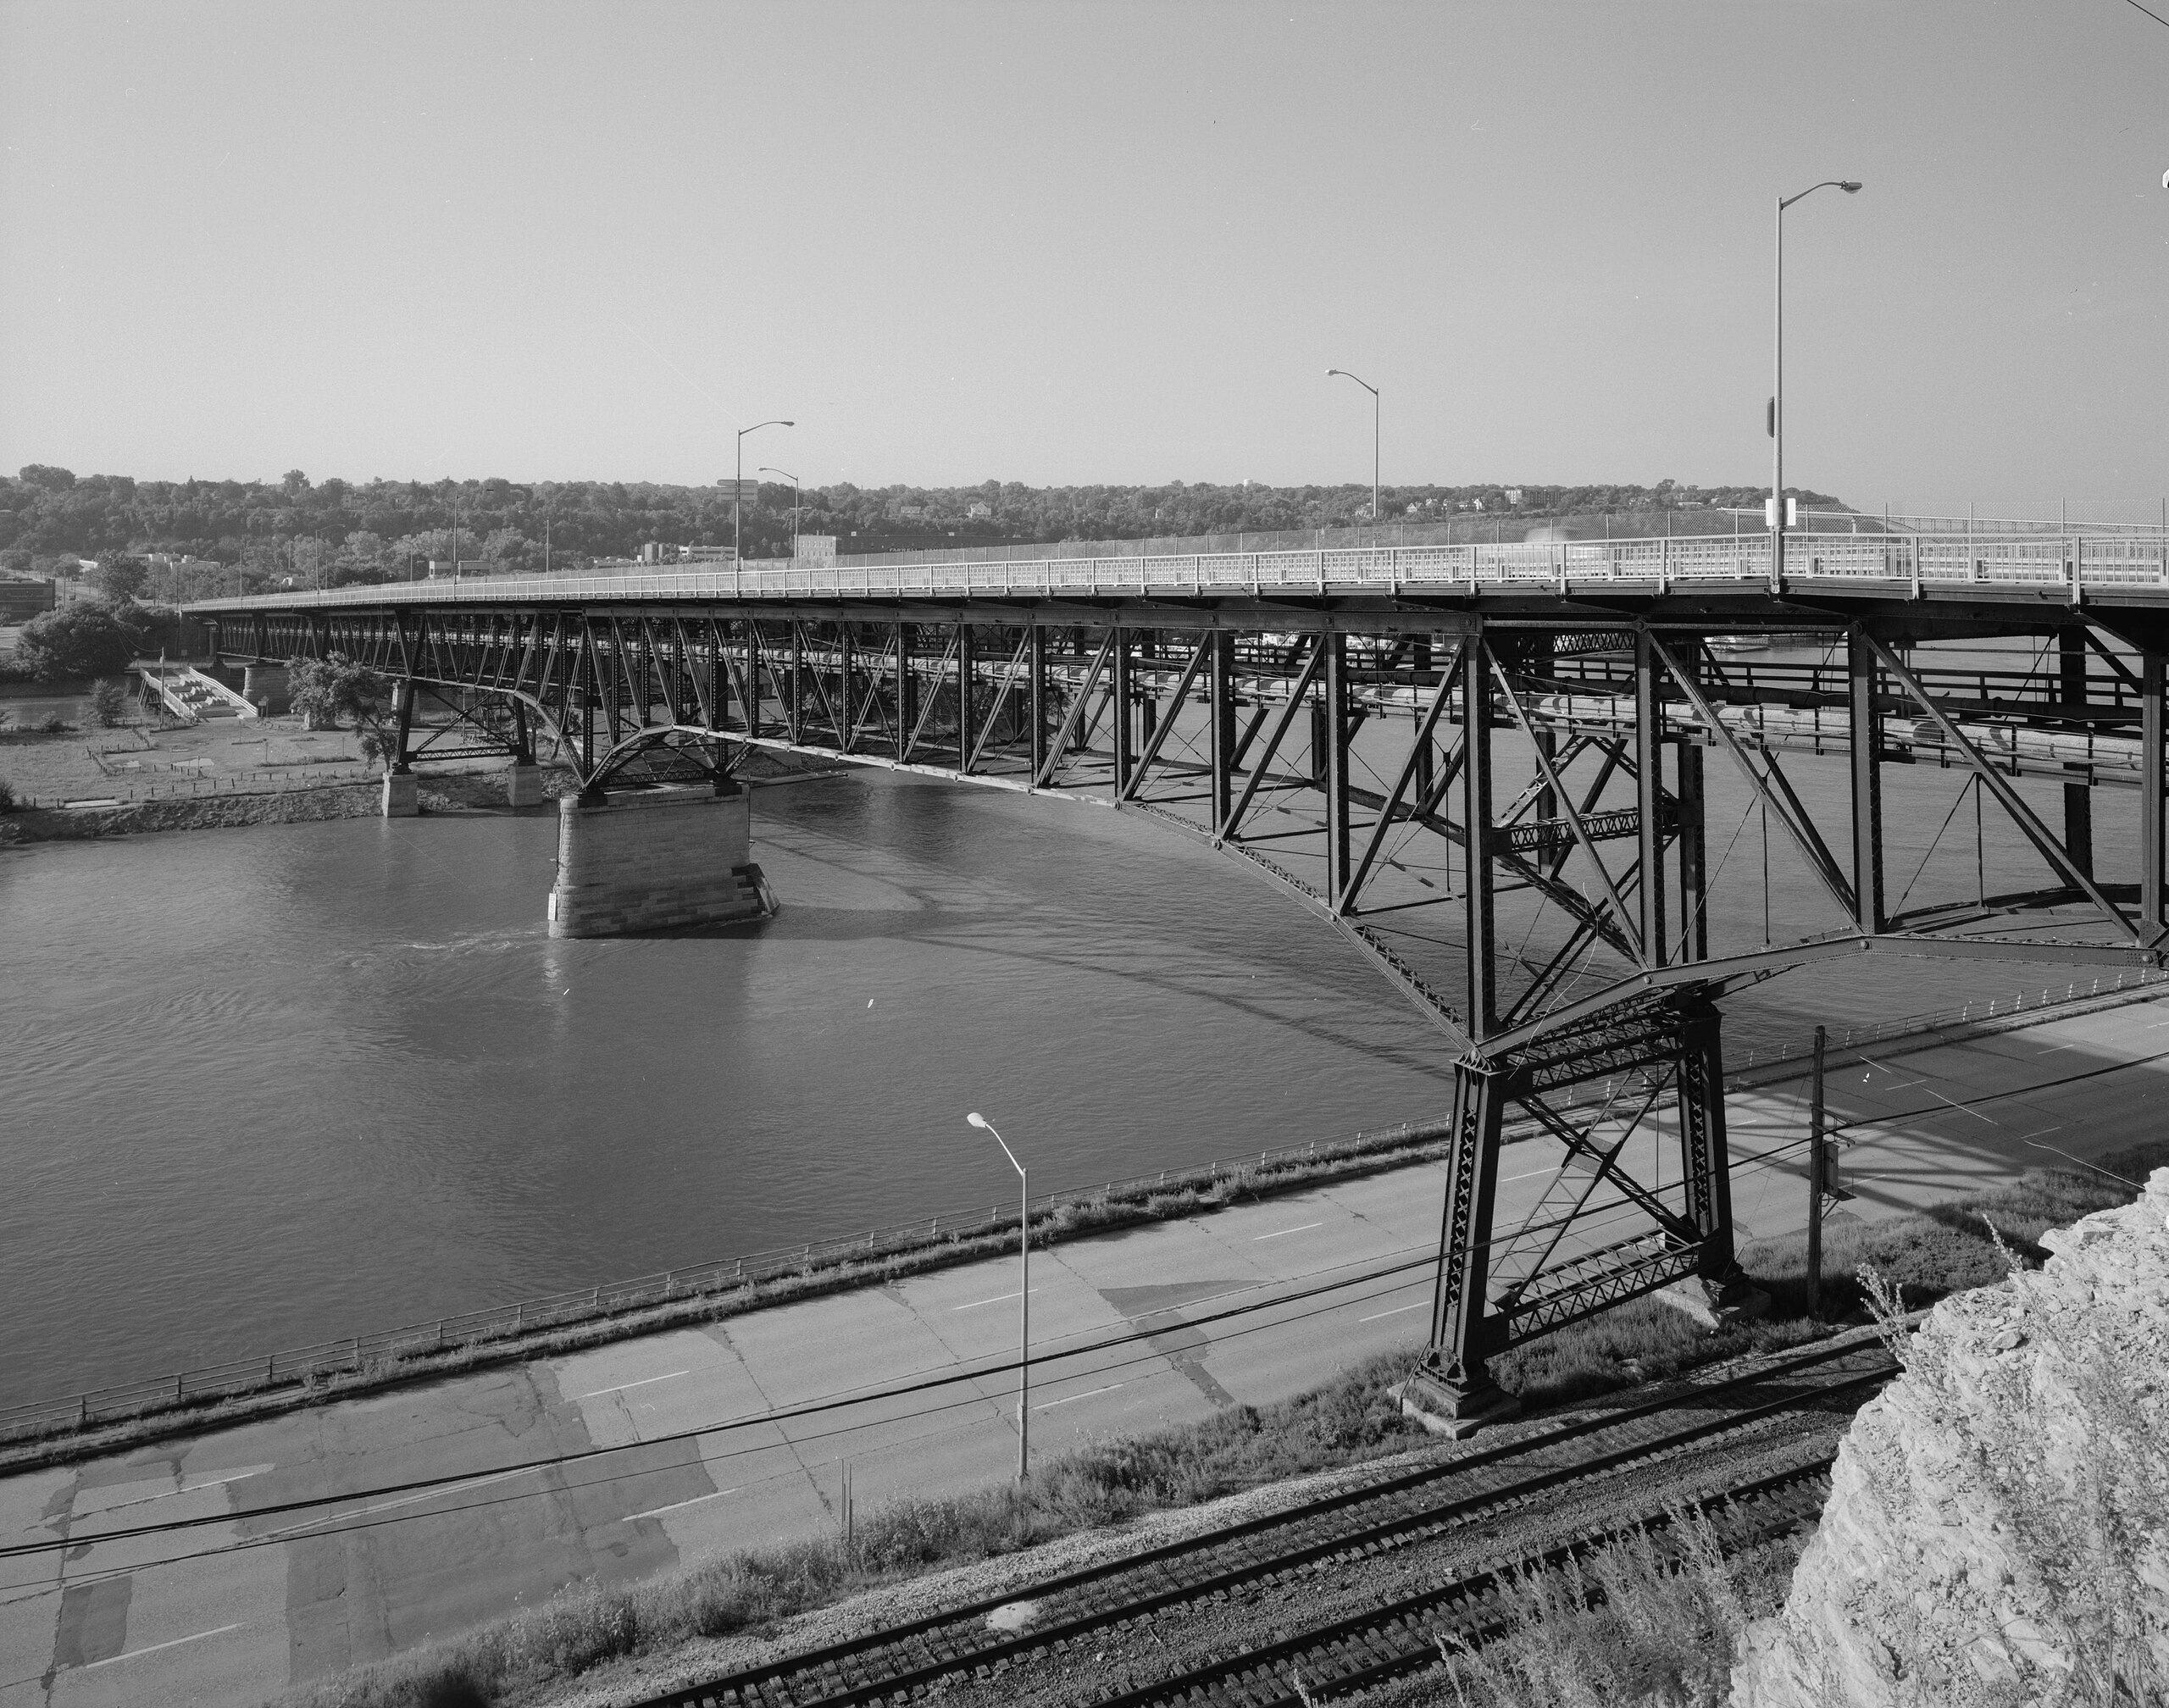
[[1998, 1526]]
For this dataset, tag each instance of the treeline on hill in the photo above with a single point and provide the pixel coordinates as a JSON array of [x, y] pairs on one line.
[[248, 534]]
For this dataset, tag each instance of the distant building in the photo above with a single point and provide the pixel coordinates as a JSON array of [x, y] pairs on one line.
[[20, 600], [912, 512], [1513, 495], [816, 548], [981, 513]]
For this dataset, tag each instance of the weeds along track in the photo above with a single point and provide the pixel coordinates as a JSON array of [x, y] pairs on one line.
[[1410, 1634], [1441, 1496]]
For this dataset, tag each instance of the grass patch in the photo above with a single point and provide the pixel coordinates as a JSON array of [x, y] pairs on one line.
[[1662, 1629], [1347, 1422], [1930, 1254]]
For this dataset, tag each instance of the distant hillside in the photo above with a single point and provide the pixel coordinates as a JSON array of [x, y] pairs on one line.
[[256, 533]]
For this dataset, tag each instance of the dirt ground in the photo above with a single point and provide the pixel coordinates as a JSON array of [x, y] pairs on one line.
[[148, 759]]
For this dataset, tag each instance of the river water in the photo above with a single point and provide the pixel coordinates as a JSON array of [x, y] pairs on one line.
[[265, 1087]]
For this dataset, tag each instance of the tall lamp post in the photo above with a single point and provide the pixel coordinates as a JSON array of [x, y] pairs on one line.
[[1374, 390], [1024, 1296], [738, 484], [1777, 519], [793, 478]]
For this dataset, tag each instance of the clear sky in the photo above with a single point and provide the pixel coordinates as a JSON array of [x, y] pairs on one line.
[[1075, 243]]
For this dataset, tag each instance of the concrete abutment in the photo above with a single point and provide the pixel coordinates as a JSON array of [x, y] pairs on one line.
[[653, 861]]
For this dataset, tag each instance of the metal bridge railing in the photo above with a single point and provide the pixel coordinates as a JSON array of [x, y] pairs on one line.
[[2065, 563]]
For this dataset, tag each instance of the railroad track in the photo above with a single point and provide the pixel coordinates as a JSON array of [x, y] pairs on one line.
[[1410, 1634], [1390, 1511]]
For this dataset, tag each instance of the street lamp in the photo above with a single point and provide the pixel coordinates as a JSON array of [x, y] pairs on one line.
[[1777, 519], [738, 484], [1023, 1297], [1374, 390], [793, 478]]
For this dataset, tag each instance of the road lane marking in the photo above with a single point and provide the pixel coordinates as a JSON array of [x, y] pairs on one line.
[[2053, 1048], [644, 1381], [680, 1505], [1305, 1228], [1397, 1311], [1531, 1175], [113, 1660], [1065, 1400], [975, 1303], [1961, 1108]]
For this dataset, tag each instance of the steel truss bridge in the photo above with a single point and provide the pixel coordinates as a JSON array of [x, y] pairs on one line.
[[1497, 771]]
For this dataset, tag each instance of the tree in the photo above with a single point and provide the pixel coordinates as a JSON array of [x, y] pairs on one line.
[[109, 702], [330, 690], [120, 577], [90, 637]]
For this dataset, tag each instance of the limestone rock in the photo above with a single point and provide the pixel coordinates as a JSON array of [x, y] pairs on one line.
[[1998, 1526]]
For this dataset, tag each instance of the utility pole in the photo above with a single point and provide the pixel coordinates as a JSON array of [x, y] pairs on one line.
[[1817, 1170]]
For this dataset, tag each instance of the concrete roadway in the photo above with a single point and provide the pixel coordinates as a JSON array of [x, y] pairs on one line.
[[235, 1612]]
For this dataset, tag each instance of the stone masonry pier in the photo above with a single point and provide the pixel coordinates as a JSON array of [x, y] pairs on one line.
[[652, 861]]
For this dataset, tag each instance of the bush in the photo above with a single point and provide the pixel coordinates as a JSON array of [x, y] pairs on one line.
[[7, 802], [109, 702]]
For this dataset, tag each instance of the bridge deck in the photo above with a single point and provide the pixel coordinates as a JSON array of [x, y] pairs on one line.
[[2120, 567]]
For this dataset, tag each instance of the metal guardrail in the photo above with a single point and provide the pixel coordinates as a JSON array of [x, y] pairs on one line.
[[357, 1353], [2068, 564]]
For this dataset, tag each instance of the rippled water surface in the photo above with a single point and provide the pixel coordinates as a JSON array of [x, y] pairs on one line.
[[264, 1087]]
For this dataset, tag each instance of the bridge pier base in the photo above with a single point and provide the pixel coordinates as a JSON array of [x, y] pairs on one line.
[[655, 860], [524, 785], [402, 795]]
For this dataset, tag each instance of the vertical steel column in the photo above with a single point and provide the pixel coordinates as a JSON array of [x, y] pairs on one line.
[[404, 727], [1221, 691], [1865, 735], [906, 691], [720, 685], [1649, 765], [846, 720], [2150, 820], [1038, 667], [752, 678], [1705, 1161], [1425, 774], [794, 713], [591, 691], [1454, 1378], [1476, 834], [2078, 797], [1693, 854], [1121, 692], [964, 674], [523, 742], [1334, 686], [719, 668], [1694, 840]]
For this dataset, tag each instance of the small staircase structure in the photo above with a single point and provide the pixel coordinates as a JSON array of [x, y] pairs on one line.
[[187, 692]]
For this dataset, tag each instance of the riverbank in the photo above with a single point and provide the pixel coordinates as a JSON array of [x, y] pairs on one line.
[[71, 1428], [300, 803]]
